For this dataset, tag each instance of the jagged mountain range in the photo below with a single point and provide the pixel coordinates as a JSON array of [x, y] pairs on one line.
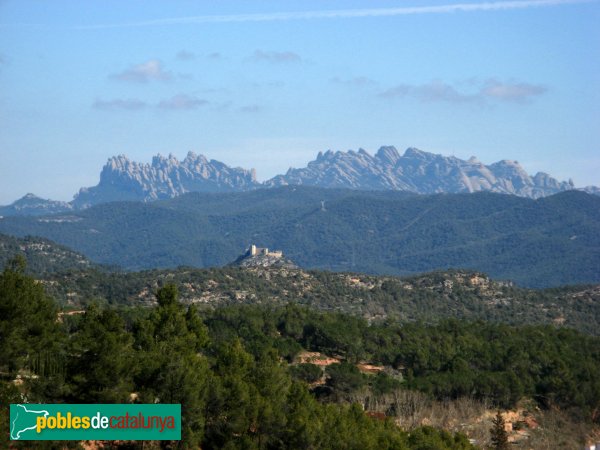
[[122, 179], [415, 171], [419, 172]]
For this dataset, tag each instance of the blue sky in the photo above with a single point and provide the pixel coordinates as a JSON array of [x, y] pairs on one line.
[[269, 84]]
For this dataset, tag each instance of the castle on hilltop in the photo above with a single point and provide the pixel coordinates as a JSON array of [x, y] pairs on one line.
[[262, 257], [263, 251]]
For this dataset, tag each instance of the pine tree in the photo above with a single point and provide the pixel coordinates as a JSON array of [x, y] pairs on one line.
[[172, 368], [30, 335], [498, 433], [103, 371]]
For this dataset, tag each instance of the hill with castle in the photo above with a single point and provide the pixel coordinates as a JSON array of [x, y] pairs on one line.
[[263, 257]]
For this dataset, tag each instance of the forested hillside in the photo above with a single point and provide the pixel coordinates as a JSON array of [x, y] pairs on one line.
[[239, 374], [75, 282], [43, 256], [235, 392], [427, 297], [537, 243]]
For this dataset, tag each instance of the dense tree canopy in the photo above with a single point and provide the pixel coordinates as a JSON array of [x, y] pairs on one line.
[[383, 232], [233, 370]]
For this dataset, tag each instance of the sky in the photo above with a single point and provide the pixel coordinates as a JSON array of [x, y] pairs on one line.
[[269, 84]]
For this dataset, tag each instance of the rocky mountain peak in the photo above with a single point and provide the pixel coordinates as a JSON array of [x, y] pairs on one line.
[[161, 162], [325, 156], [32, 205], [508, 171], [508, 163], [415, 171], [193, 158], [388, 154], [119, 162], [166, 177], [412, 152], [420, 172]]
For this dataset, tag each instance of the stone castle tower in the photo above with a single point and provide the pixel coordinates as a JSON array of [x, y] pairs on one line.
[[255, 251]]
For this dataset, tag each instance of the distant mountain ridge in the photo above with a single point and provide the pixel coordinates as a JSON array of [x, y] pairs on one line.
[[419, 172], [32, 205], [415, 171], [122, 179], [550, 241]]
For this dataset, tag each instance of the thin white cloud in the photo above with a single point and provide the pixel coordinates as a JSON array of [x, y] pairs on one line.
[[435, 91], [142, 73], [343, 13], [356, 81], [129, 104], [512, 92], [251, 109], [491, 90], [182, 102], [275, 57], [179, 102]]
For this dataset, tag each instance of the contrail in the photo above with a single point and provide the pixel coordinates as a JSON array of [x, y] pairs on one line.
[[341, 14]]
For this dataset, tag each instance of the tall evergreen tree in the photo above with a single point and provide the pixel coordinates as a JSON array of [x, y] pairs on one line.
[[30, 336], [100, 368], [172, 367], [499, 436]]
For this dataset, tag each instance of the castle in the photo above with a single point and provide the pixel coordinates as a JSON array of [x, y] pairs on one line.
[[264, 251]]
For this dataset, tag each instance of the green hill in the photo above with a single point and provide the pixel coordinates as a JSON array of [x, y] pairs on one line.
[[428, 297], [537, 243], [43, 256], [260, 376]]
